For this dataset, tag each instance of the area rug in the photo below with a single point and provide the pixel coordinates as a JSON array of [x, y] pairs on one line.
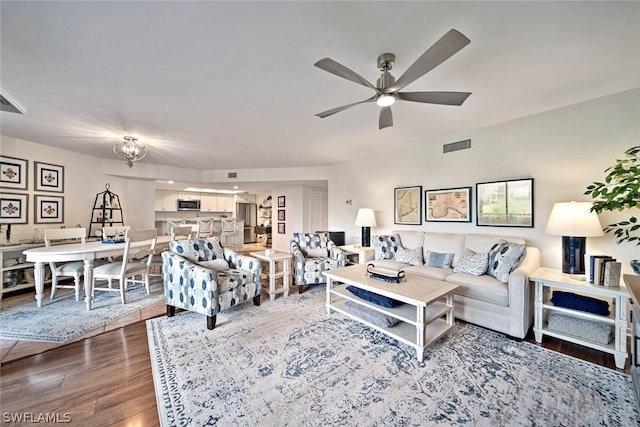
[[63, 318], [289, 363]]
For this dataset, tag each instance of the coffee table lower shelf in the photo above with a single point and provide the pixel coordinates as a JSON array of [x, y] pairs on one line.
[[431, 321]]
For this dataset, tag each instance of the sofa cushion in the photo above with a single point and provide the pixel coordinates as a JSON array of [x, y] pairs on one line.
[[444, 243], [409, 256], [484, 288], [503, 259], [374, 298], [410, 239], [437, 259], [430, 272], [473, 263], [198, 250], [385, 247]]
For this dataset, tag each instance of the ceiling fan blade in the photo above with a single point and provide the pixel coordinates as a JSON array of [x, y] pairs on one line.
[[443, 98], [343, 107], [443, 49], [386, 118], [333, 67]]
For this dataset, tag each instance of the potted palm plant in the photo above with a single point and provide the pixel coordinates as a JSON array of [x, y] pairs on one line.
[[620, 191]]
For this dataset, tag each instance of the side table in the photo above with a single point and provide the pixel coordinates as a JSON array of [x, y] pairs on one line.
[[357, 254], [548, 278], [273, 258]]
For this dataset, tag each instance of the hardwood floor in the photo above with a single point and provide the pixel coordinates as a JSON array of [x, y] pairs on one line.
[[106, 380]]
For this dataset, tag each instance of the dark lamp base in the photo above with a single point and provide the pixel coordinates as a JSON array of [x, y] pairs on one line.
[[573, 250], [366, 236]]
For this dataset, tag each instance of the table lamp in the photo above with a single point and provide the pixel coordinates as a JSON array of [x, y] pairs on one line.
[[574, 221], [366, 219]]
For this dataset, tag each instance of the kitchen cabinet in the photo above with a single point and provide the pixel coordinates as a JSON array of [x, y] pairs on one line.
[[216, 203], [166, 200]]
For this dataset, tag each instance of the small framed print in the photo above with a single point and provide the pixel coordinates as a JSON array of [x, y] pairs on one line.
[[281, 229], [448, 205], [408, 205], [48, 209], [13, 173], [281, 201], [13, 208], [506, 203], [49, 177], [281, 215]]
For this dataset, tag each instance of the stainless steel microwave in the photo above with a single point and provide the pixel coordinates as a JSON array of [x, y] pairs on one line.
[[188, 205]]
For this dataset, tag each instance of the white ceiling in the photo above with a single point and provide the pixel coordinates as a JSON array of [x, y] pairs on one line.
[[227, 85]]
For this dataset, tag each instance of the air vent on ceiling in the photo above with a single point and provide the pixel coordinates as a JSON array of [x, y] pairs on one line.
[[456, 146], [7, 103], [232, 175]]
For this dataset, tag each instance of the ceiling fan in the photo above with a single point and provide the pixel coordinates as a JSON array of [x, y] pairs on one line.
[[388, 88]]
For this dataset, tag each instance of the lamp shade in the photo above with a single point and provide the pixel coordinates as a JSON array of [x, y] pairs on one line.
[[574, 219], [366, 218]]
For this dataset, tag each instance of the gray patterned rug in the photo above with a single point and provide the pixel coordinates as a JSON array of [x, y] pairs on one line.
[[63, 318], [289, 363]]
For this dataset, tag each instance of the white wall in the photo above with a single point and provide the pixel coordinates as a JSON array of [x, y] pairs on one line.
[[83, 179], [563, 150]]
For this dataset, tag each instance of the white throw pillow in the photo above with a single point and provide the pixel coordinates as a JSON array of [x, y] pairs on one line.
[[317, 253], [473, 263], [409, 256], [216, 265]]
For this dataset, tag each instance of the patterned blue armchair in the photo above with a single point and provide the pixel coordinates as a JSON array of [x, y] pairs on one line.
[[314, 253], [199, 275]]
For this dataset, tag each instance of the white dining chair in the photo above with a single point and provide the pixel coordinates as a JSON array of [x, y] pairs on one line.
[[184, 232], [177, 233], [227, 232], [205, 228], [73, 269], [138, 252]]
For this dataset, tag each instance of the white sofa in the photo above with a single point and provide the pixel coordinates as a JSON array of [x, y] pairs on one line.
[[482, 300]]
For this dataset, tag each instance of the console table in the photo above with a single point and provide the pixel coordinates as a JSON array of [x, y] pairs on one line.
[[547, 278]]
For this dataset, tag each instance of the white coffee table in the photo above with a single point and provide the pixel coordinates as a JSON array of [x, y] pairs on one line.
[[273, 258], [425, 317]]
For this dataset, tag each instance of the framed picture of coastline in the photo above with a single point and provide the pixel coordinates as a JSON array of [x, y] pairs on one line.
[[448, 205], [13, 173], [506, 203], [49, 177], [408, 205]]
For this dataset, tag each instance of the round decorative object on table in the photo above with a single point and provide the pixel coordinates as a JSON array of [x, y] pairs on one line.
[[635, 264]]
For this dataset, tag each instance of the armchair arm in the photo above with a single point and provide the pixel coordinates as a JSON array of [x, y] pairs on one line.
[[244, 262], [298, 263], [187, 284], [521, 293], [336, 253]]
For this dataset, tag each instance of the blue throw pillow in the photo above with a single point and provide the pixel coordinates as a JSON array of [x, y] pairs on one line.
[[374, 298], [580, 302]]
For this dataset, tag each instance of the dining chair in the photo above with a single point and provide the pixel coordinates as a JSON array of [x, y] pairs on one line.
[[205, 228], [73, 269], [228, 233], [138, 253], [177, 233], [184, 232]]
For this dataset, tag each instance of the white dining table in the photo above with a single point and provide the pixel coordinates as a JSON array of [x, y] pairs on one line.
[[87, 252]]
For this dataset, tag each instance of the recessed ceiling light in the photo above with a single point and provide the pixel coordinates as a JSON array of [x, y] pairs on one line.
[[235, 187], [170, 182]]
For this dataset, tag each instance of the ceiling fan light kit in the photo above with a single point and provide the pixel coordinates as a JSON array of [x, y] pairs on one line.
[[387, 89], [130, 151]]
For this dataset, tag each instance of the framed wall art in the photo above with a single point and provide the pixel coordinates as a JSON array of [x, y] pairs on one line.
[[48, 209], [448, 205], [505, 203], [281, 228], [49, 177], [281, 215], [281, 201], [13, 173], [13, 208], [408, 205]]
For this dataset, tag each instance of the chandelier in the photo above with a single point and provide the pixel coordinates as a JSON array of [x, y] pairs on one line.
[[130, 151]]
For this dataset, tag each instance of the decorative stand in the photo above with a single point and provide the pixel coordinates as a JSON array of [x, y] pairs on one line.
[[106, 212]]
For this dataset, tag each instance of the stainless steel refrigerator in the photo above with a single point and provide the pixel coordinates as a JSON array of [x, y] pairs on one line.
[[248, 212]]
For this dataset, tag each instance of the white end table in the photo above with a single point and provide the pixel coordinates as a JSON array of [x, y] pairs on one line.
[[273, 258], [554, 279], [357, 254]]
